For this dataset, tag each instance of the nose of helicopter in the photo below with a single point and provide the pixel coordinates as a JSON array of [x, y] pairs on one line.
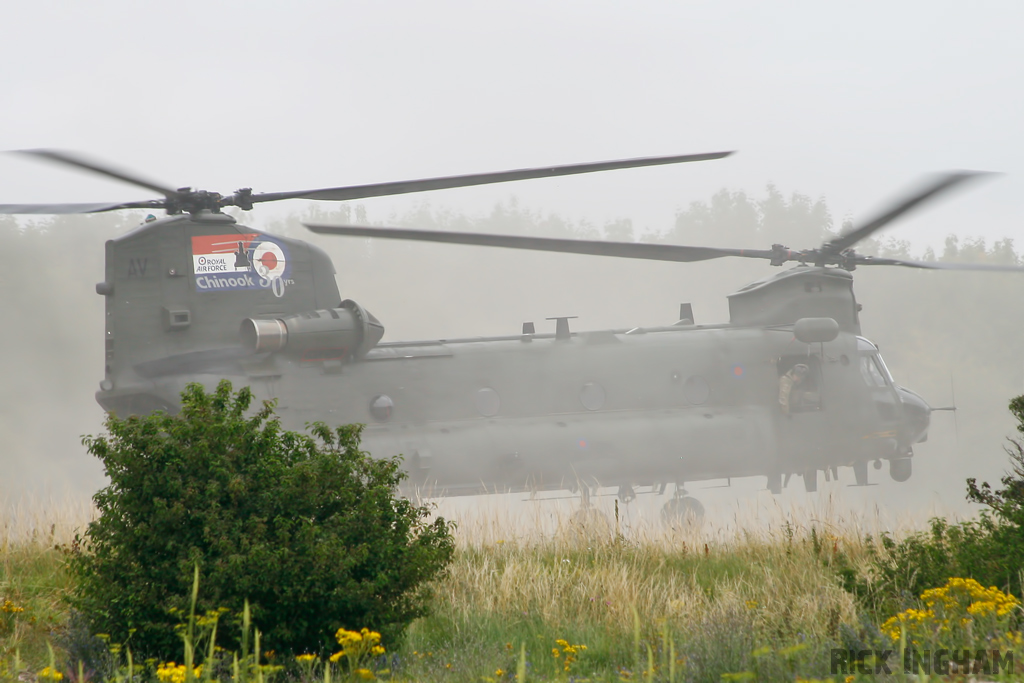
[[917, 416]]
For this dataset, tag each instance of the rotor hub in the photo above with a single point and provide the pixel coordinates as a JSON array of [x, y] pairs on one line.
[[187, 200]]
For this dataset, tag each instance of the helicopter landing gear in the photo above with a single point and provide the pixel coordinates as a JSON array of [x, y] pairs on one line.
[[626, 493], [682, 510], [900, 469], [860, 473], [810, 480], [587, 520], [590, 521]]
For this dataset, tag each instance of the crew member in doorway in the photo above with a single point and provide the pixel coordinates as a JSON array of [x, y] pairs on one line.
[[789, 387]]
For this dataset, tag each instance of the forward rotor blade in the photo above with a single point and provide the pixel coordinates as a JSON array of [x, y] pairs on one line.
[[69, 159], [652, 252], [405, 186], [939, 185], [77, 208], [938, 265]]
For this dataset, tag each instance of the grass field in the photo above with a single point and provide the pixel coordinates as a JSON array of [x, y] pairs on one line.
[[527, 591]]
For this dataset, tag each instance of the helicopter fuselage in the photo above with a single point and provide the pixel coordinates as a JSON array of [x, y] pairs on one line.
[[614, 407], [197, 298]]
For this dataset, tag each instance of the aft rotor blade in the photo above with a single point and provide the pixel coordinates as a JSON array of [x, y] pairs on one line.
[[938, 265], [652, 252], [939, 185], [406, 186], [69, 159]]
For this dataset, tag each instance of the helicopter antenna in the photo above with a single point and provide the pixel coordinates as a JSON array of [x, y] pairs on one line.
[[952, 409], [956, 422]]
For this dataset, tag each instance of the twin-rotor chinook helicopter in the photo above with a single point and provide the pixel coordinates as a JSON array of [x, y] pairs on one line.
[[195, 296]]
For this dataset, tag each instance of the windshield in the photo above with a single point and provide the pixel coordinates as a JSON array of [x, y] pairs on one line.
[[872, 367], [881, 364], [871, 371]]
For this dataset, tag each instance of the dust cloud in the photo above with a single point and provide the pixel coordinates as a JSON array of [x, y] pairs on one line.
[[940, 332]]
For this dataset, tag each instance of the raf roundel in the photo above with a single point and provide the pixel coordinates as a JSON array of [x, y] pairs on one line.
[[268, 260]]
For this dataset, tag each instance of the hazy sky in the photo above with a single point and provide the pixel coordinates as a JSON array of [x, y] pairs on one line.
[[851, 103]]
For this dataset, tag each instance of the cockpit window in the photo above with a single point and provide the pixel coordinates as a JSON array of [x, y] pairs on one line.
[[865, 346], [872, 372], [883, 367]]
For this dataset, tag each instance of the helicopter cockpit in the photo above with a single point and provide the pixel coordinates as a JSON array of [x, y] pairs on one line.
[[872, 367], [878, 379]]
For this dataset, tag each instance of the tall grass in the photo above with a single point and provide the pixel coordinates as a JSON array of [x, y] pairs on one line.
[[34, 536], [754, 590], [765, 579]]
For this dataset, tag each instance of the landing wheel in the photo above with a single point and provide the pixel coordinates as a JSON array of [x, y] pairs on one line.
[[589, 522], [860, 472], [811, 481], [775, 482], [682, 511], [900, 468], [626, 493]]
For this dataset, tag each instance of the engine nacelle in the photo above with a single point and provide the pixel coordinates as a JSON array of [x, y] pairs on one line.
[[344, 333]]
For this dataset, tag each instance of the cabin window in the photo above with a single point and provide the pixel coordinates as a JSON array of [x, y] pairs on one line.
[[592, 396], [488, 403], [803, 395]]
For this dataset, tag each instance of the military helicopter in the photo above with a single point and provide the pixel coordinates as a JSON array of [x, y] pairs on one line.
[[195, 296]]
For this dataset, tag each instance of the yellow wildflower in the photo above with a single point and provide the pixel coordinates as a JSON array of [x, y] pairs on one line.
[[346, 638], [10, 608], [304, 659], [175, 673], [365, 674], [952, 610], [49, 674], [570, 650]]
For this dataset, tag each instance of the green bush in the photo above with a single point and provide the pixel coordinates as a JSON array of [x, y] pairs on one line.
[[905, 568], [989, 549], [1005, 525], [309, 529]]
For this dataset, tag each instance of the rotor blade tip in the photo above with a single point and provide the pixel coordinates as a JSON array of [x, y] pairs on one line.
[[969, 174]]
